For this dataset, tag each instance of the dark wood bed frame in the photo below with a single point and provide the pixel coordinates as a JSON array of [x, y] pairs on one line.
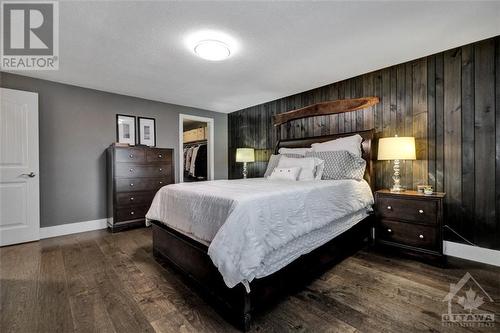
[[235, 304]]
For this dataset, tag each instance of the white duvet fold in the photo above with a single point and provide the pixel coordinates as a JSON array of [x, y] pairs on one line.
[[246, 221]]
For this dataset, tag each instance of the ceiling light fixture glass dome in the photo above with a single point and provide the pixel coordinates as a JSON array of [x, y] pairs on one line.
[[212, 50]]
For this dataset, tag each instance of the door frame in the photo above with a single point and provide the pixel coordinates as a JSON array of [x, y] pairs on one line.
[[210, 144]]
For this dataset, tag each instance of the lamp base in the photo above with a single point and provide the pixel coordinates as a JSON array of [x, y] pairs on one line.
[[245, 170], [397, 189]]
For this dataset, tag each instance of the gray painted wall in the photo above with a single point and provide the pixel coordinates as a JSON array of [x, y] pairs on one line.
[[76, 126]]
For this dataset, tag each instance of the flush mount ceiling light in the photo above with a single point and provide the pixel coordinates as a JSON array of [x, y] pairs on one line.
[[212, 45], [213, 50]]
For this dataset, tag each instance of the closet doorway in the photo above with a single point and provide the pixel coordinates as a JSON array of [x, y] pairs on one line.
[[196, 149]]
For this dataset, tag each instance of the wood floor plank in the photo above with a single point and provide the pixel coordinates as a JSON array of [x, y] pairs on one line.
[[88, 307], [19, 270], [124, 313], [103, 282], [53, 310]]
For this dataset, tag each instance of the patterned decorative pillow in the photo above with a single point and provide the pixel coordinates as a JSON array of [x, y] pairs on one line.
[[274, 160], [340, 164]]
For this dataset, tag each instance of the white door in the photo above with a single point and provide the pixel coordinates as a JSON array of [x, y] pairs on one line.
[[19, 179]]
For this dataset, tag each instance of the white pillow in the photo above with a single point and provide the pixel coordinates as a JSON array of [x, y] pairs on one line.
[[351, 144], [306, 164], [285, 173], [295, 151]]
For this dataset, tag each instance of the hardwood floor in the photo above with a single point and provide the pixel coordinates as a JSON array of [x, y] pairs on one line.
[[103, 282]]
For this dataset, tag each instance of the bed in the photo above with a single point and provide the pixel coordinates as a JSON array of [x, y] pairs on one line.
[[218, 234]]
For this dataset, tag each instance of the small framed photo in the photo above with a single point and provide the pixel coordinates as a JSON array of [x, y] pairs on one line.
[[147, 131], [125, 129]]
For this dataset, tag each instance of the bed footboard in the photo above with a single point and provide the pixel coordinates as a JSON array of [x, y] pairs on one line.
[[234, 304]]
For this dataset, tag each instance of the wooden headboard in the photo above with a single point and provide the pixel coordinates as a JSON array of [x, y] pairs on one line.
[[327, 108], [366, 146]]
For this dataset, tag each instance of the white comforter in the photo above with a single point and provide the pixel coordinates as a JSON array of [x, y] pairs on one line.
[[247, 221]]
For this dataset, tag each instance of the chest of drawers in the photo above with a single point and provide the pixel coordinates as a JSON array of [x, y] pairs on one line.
[[410, 221], [135, 174]]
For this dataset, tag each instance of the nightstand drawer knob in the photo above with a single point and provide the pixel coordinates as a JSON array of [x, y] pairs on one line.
[[131, 155], [132, 213], [421, 236], [389, 207], [131, 198], [131, 184], [420, 211], [389, 230]]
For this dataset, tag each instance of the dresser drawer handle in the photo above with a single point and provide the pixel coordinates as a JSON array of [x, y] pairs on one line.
[[389, 231], [131, 169], [131, 184], [132, 213], [131, 198], [160, 183], [161, 170], [160, 155], [421, 236], [420, 211], [131, 155], [389, 207]]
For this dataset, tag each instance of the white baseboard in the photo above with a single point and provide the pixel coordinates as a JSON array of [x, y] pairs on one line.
[[72, 228], [474, 253]]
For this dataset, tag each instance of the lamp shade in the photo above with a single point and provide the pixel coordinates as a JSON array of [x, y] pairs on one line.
[[245, 155], [396, 148]]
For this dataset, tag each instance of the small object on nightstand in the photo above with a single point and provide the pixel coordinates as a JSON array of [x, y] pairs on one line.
[[410, 222], [428, 190]]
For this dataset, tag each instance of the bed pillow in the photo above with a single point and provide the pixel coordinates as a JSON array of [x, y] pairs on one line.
[[307, 166], [273, 162], [350, 143], [294, 151], [340, 165], [285, 173]]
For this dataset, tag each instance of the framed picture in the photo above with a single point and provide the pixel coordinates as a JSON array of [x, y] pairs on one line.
[[147, 131], [125, 129]]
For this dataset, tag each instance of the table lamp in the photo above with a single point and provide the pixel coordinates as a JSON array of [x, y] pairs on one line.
[[396, 149], [245, 155]]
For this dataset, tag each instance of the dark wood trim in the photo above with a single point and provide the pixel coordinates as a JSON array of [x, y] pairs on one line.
[[325, 108]]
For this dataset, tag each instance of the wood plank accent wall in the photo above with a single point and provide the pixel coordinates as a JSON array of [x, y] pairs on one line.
[[449, 101]]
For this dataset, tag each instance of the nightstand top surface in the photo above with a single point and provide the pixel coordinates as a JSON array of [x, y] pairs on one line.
[[410, 193]]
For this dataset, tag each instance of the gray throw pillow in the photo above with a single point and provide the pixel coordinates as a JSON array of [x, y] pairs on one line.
[[274, 160], [340, 164]]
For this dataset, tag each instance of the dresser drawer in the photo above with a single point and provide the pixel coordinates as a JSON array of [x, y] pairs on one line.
[[134, 198], [131, 213], [128, 170], [159, 155], [423, 211], [425, 237], [126, 154], [140, 184]]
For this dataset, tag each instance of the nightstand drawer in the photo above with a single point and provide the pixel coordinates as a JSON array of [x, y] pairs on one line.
[[420, 236], [423, 211]]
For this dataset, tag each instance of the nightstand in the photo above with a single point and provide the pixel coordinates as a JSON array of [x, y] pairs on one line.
[[411, 222]]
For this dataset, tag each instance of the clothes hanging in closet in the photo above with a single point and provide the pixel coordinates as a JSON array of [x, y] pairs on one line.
[[195, 161]]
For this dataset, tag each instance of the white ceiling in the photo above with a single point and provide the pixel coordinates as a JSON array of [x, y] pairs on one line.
[[138, 48]]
